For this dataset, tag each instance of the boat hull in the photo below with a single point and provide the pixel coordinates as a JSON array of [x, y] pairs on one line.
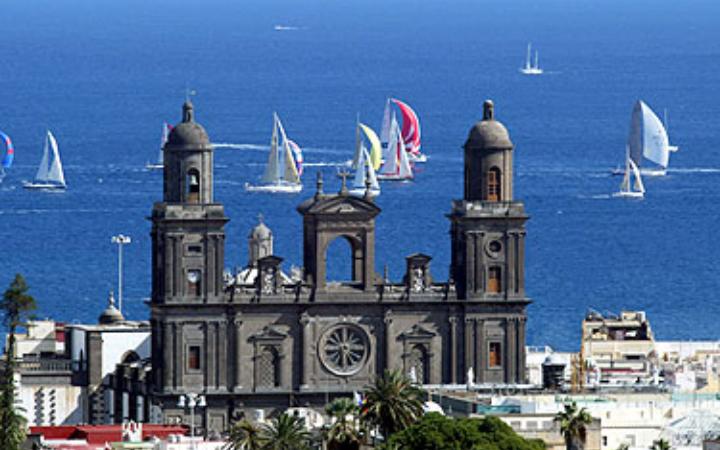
[[624, 194], [418, 158], [43, 186], [274, 188], [150, 166], [360, 192], [385, 177], [644, 172], [531, 71]]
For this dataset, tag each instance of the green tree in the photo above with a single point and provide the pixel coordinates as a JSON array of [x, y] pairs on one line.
[[573, 425], [393, 403], [437, 432], [660, 444], [244, 435], [345, 431], [286, 432], [17, 306]]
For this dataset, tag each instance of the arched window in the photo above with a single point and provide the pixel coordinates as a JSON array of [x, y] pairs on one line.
[[340, 260], [494, 184], [419, 364], [494, 284], [269, 368], [193, 186]]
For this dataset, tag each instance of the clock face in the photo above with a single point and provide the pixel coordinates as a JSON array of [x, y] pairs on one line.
[[193, 276]]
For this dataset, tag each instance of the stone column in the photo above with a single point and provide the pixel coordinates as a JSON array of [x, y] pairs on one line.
[[480, 353], [222, 355], [469, 347], [511, 352], [453, 349], [388, 340], [521, 350], [521, 262], [306, 350], [179, 354], [167, 354], [237, 323], [511, 263]]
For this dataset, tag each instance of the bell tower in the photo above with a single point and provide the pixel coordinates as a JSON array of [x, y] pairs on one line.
[[487, 225], [187, 234]]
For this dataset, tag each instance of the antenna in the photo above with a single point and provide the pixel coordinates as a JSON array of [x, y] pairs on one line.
[[189, 92]]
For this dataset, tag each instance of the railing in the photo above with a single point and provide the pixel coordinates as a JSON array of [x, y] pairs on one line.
[[46, 365]]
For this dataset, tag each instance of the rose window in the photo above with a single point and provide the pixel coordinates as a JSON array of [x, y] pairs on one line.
[[344, 349]]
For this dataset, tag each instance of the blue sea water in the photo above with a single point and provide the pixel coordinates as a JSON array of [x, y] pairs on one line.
[[104, 75]]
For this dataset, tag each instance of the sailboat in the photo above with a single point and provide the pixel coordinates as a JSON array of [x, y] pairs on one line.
[[410, 129], [282, 174], [397, 164], [529, 68], [9, 154], [366, 163], [50, 173], [365, 181], [648, 140], [166, 129], [628, 187]]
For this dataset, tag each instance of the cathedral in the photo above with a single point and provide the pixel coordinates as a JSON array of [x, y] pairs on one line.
[[268, 341]]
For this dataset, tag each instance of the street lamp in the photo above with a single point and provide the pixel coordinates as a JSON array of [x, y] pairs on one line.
[[120, 240], [190, 401]]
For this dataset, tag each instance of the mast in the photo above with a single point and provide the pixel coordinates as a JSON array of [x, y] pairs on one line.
[[527, 60]]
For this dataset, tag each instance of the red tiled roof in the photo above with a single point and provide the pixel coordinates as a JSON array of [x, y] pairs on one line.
[[99, 434]]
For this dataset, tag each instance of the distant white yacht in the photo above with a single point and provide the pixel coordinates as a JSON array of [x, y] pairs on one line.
[[529, 68]]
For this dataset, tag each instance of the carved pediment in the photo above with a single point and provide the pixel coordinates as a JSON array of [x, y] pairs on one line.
[[417, 331], [269, 333], [340, 205]]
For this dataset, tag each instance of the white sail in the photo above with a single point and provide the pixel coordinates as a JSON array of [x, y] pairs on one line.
[[648, 137], [290, 173], [365, 172], [639, 187], [405, 168], [537, 60], [42, 172], [272, 174], [163, 141], [385, 126], [390, 152], [55, 174], [528, 66]]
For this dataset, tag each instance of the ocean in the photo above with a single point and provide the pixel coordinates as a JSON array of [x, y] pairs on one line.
[[103, 76]]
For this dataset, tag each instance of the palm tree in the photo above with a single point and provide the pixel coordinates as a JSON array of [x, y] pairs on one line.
[[244, 435], [344, 432], [573, 425], [393, 403], [285, 432], [660, 444]]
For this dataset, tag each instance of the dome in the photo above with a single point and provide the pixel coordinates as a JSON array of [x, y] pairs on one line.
[[489, 133], [553, 360], [189, 133], [260, 232], [111, 314]]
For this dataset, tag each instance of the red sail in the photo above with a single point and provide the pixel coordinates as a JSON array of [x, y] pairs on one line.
[[410, 127]]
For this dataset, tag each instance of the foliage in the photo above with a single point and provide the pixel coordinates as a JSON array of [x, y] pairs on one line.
[[345, 432], [660, 444], [285, 432], [437, 432], [244, 435], [17, 306], [623, 447], [573, 425], [392, 403]]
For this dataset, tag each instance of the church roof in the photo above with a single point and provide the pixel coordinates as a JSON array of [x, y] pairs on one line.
[[488, 133], [189, 134], [111, 314]]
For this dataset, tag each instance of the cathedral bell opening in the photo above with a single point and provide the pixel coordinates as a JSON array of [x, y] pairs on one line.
[[193, 186]]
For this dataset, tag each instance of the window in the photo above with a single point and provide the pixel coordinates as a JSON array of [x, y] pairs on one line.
[[418, 362], [193, 186], [269, 368], [194, 249], [194, 283], [495, 356], [193, 360], [494, 280], [493, 185]]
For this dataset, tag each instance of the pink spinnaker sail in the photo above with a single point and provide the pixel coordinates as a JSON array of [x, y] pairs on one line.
[[410, 127]]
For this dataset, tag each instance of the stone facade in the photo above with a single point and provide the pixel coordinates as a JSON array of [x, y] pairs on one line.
[[279, 342]]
